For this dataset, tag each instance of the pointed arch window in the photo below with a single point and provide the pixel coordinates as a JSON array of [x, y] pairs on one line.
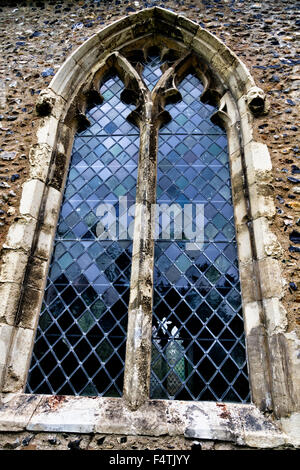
[[183, 294]]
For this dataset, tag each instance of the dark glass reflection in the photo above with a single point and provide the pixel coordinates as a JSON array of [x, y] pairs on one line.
[[198, 350], [81, 337]]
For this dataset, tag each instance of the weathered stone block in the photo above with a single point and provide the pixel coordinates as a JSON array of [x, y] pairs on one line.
[[283, 387], [45, 242], [221, 63], [92, 59], [13, 266], [244, 76], [36, 273], [270, 278], [60, 164], [252, 317], [67, 79], [187, 37], [16, 413], [258, 162], [244, 244], [239, 80], [186, 24], [52, 207], [18, 364], [92, 45], [166, 15], [246, 126], [260, 432], [235, 85], [31, 304], [20, 234], [206, 50], [6, 332], [31, 198], [249, 283], [9, 294], [209, 39], [242, 105], [143, 28], [241, 216], [116, 26], [258, 364], [233, 143], [65, 414], [291, 426], [292, 343], [65, 139], [47, 131], [237, 178], [142, 15], [267, 243], [40, 158], [261, 201], [275, 315], [204, 422], [109, 44]]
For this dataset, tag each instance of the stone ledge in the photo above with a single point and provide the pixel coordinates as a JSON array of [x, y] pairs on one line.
[[242, 424], [291, 426], [16, 413]]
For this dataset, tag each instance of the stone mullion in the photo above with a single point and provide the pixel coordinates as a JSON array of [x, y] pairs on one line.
[[138, 349]]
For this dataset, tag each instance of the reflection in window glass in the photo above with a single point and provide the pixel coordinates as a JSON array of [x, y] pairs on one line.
[[80, 342], [198, 350]]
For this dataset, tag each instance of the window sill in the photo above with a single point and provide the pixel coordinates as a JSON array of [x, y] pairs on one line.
[[238, 423]]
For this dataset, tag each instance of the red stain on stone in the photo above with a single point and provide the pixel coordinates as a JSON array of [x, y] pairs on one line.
[[55, 401], [225, 414]]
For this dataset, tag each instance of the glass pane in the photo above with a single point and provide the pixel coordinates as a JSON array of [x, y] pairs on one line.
[[152, 71], [190, 116], [81, 337], [110, 117], [198, 350]]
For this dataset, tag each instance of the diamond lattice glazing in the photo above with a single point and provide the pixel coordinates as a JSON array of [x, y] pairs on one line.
[[198, 350], [80, 342]]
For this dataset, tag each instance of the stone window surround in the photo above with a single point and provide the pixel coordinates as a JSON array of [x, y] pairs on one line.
[[271, 351]]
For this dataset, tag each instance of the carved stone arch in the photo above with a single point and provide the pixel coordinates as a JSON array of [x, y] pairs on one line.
[[62, 107]]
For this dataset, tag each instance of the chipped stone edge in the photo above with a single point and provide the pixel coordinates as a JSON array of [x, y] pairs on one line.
[[238, 423]]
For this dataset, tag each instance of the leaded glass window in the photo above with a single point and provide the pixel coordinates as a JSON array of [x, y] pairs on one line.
[[198, 341], [81, 337], [154, 281]]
